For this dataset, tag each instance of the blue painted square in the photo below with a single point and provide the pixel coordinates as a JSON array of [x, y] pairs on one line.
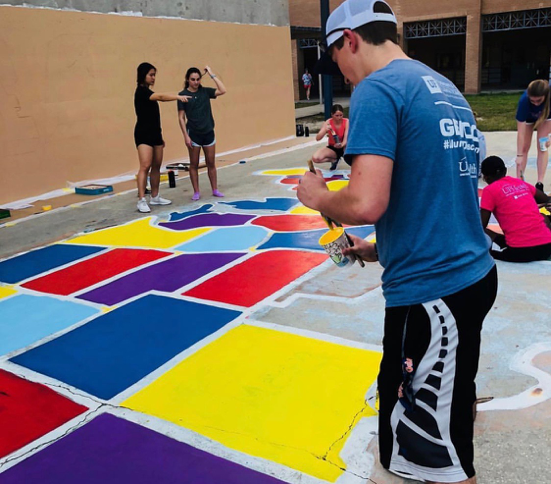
[[26, 319], [226, 239], [119, 348], [308, 239], [32, 263]]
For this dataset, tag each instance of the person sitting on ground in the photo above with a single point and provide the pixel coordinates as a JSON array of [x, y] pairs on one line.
[[336, 129], [526, 233]]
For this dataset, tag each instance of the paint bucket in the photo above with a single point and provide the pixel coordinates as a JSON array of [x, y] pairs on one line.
[[543, 143], [334, 242]]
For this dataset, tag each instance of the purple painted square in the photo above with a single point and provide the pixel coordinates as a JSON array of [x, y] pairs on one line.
[[209, 220], [111, 450], [167, 276]]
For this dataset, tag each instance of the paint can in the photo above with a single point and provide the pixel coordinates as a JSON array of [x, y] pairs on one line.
[[334, 242], [171, 179]]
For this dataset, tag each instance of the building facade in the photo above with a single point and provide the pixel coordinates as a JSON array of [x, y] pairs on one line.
[[478, 44], [69, 75]]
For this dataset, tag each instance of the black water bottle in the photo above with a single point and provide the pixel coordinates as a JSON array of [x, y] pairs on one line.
[[171, 179], [306, 131]]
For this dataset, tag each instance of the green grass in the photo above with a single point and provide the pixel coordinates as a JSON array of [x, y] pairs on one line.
[[305, 104], [495, 112]]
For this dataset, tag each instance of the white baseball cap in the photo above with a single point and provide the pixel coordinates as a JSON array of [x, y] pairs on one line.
[[353, 14]]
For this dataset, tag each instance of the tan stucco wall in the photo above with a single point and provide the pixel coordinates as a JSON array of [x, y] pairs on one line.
[[68, 79]]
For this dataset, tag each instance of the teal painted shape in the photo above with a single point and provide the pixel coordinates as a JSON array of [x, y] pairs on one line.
[[26, 319], [175, 216], [226, 239], [269, 203]]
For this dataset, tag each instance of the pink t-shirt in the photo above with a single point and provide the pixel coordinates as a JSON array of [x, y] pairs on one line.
[[512, 202]]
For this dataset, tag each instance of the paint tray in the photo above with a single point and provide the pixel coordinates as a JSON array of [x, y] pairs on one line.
[[4, 213], [93, 189]]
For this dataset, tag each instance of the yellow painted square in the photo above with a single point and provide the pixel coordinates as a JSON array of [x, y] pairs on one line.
[[6, 291], [302, 210], [279, 396], [138, 234], [336, 185], [285, 172]]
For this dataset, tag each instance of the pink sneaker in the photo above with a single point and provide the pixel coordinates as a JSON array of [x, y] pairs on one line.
[[196, 196], [216, 193]]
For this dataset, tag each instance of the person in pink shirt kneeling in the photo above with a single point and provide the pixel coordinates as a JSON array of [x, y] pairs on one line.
[[514, 203]]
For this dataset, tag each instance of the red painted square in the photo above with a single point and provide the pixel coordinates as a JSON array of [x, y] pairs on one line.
[[29, 410], [258, 277], [91, 271], [290, 223]]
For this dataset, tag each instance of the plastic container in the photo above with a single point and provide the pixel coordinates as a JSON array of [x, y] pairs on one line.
[[93, 189]]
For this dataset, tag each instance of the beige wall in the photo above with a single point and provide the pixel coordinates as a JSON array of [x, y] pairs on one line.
[[68, 78]]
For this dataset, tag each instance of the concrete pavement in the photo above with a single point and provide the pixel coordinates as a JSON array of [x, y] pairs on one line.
[[512, 434]]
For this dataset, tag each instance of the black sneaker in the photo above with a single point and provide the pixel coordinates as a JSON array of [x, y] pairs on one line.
[[334, 165], [539, 186]]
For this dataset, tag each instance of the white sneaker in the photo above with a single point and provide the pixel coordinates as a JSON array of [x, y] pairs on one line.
[[143, 206], [158, 200]]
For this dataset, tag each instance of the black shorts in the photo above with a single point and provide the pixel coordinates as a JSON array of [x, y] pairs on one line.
[[338, 151], [520, 254], [201, 139], [426, 383], [151, 138]]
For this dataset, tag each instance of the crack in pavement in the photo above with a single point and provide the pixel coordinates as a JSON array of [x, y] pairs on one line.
[[87, 416]]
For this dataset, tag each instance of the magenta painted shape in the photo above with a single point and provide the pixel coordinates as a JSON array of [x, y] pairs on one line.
[[111, 450], [166, 276], [208, 220]]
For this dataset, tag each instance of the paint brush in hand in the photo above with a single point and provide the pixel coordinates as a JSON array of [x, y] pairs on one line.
[[330, 221]]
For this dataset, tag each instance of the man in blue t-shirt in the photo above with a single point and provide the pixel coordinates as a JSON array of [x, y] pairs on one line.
[[413, 146]]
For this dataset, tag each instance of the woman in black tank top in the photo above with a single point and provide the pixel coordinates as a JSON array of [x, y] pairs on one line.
[[148, 135]]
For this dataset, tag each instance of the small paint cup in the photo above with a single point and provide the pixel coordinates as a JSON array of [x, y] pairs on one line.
[[334, 242], [543, 143]]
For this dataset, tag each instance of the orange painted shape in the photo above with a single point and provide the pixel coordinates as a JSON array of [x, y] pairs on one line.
[[258, 277], [290, 223]]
